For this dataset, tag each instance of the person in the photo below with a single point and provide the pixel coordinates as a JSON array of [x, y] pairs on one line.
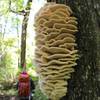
[[25, 86]]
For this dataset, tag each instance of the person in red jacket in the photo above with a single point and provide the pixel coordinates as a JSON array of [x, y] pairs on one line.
[[25, 86]]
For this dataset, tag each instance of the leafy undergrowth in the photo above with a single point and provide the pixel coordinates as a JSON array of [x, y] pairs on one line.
[[8, 89], [38, 95], [9, 92]]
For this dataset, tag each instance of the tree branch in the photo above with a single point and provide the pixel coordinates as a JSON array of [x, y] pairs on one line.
[[22, 12]]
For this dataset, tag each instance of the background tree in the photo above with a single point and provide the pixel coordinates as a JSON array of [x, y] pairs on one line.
[[24, 11], [24, 33], [85, 82]]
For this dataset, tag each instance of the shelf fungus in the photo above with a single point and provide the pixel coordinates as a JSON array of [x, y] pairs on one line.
[[55, 52]]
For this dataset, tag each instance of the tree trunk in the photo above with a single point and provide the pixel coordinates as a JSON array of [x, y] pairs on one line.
[[23, 40], [85, 82], [24, 34]]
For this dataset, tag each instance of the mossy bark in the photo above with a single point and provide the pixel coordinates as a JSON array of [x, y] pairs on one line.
[[85, 82]]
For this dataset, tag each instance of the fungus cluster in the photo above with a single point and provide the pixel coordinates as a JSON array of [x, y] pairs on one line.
[[55, 53]]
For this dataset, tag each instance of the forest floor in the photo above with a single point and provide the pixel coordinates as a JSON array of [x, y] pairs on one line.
[[8, 97]]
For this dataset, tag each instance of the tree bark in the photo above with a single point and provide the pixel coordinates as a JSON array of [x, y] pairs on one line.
[[24, 34], [85, 82], [23, 40]]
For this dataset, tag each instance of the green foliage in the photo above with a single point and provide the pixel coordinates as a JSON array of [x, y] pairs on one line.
[[9, 42], [10, 92], [30, 68], [17, 5], [4, 7], [5, 60], [39, 95], [7, 67], [31, 71], [7, 74]]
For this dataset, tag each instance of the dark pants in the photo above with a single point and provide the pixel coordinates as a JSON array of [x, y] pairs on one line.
[[25, 98]]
